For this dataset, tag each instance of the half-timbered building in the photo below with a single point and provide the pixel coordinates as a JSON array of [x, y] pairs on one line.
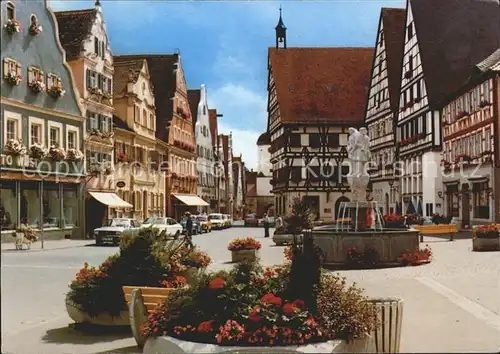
[[443, 42], [314, 96], [469, 122], [382, 106]]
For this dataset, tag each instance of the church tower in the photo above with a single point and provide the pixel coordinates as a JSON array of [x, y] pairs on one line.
[[280, 33]]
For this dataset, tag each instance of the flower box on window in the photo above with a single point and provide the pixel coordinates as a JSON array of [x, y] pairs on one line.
[[13, 78], [37, 85], [421, 135], [408, 74], [14, 147], [484, 104], [74, 155], [54, 86], [57, 153], [463, 157], [96, 91], [487, 152], [13, 26], [462, 114], [122, 157], [38, 152]]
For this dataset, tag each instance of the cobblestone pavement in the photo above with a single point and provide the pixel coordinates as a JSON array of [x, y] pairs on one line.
[[451, 305]]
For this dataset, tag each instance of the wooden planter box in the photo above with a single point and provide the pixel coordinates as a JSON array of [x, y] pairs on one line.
[[486, 244], [103, 319], [244, 255], [387, 336]]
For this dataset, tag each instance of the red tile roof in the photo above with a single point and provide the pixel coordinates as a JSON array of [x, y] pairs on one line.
[[74, 27], [212, 114], [394, 22], [321, 84], [125, 72]]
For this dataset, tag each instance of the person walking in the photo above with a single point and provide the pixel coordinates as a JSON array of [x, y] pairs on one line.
[[266, 225], [189, 230]]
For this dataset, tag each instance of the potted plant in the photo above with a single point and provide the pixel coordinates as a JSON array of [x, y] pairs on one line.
[[74, 155], [95, 132], [38, 152], [14, 78], [195, 261], [37, 85], [486, 238], [417, 257], [56, 91], [244, 249], [394, 221], [25, 235], [254, 309], [15, 147], [95, 168], [57, 153], [13, 26]]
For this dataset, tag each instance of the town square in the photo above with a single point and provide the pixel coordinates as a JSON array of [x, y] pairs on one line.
[[232, 176]]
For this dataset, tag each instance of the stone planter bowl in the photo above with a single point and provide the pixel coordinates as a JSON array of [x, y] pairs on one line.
[[169, 345], [103, 319], [486, 244], [244, 255]]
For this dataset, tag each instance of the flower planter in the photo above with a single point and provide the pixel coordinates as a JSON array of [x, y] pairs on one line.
[[486, 244], [103, 319], [167, 344], [244, 255]]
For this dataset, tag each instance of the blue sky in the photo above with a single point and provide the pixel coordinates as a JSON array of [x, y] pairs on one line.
[[223, 44]]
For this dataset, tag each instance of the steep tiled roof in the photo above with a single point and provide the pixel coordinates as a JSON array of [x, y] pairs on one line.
[[453, 36], [264, 139], [492, 61], [119, 123], [162, 70], [125, 71], [214, 131], [321, 84], [74, 27], [194, 100], [393, 21], [225, 151]]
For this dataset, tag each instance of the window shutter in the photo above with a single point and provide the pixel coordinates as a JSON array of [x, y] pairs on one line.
[[96, 45], [102, 50], [109, 85], [99, 122], [99, 81], [88, 78]]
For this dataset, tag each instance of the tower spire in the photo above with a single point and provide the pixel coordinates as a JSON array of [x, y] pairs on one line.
[[280, 33]]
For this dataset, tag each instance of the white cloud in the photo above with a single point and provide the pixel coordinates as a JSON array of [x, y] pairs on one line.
[[244, 143], [245, 115]]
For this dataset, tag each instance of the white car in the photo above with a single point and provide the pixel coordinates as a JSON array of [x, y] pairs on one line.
[[148, 222], [217, 221], [112, 232], [172, 227]]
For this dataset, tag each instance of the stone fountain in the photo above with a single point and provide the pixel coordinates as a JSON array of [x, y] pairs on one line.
[[359, 222]]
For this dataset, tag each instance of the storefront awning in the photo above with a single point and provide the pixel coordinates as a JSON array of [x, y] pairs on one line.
[[191, 199], [110, 199]]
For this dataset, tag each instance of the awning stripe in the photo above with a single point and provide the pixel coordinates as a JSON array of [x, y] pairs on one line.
[[110, 199], [191, 199]]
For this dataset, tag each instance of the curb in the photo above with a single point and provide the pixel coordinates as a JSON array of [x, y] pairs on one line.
[[13, 250]]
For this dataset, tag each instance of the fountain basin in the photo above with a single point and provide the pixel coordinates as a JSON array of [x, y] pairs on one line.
[[389, 243]]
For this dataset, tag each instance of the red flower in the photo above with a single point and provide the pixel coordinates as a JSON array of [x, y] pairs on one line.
[[217, 283], [254, 315], [299, 303], [271, 299], [290, 309], [206, 327]]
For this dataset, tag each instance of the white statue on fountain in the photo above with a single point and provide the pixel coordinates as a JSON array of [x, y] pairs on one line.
[[359, 155]]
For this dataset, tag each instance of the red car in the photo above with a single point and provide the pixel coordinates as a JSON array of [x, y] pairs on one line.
[[251, 220]]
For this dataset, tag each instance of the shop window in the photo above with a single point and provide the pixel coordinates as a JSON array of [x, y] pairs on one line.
[[481, 200], [8, 206], [30, 204], [51, 206]]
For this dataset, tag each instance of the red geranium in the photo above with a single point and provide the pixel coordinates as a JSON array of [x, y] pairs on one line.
[[271, 299], [300, 304], [254, 314], [217, 283], [290, 309], [206, 327]]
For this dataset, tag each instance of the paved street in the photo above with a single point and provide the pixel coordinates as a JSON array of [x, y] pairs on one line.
[[452, 304]]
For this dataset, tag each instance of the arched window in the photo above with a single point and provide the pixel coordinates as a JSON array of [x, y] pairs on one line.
[[11, 11]]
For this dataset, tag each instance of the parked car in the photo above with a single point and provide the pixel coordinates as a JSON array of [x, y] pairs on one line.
[[196, 226], [225, 221], [112, 232], [251, 220], [206, 224], [148, 222], [217, 221], [172, 227]]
